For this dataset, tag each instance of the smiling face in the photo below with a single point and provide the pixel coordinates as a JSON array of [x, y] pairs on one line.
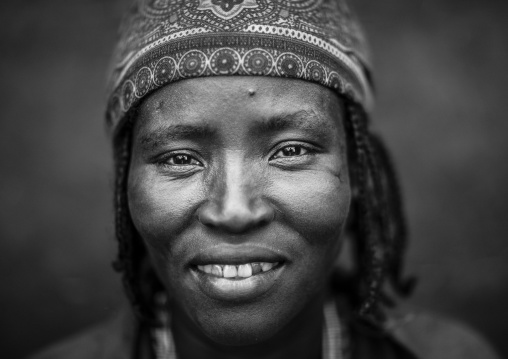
[[239, 187]]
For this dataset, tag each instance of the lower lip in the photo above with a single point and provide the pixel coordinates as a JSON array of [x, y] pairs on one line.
[[237, 289]]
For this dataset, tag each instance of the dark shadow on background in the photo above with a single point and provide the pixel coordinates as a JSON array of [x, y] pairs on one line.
[[442, 84]]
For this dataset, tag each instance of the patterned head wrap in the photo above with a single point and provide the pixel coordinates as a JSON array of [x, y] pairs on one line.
[[163, 41]]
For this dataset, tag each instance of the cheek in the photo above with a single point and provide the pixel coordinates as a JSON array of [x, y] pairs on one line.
[[160, 208], [315, 204]]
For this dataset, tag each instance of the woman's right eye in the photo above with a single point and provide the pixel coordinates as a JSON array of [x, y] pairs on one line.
[[181, 161]]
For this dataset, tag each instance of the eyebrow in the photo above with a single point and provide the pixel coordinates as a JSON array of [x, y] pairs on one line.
[[163, 134], [308, 121]]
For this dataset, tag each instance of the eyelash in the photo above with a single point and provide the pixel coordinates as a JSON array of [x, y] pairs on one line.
[[309, 150], [165, 161]]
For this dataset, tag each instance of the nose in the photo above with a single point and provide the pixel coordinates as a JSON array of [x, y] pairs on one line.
[[236, 204]]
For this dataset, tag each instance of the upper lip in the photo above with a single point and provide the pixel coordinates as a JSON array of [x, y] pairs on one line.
[[237, 254]]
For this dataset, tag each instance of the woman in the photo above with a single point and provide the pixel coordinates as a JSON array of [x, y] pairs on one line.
[[244, 164]]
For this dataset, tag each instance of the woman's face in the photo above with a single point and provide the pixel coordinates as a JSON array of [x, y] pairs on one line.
[[239, 187]]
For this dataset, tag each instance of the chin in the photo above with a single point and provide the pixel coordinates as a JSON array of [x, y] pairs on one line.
[[248, 321], [240, 326]]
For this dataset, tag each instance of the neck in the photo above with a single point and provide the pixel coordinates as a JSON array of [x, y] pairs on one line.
[[300, 339]]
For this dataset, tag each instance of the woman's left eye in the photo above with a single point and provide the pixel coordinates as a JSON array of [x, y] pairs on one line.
[[291, 151], [183, 160]]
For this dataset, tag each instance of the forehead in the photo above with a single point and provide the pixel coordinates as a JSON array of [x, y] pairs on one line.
[[239, 99]]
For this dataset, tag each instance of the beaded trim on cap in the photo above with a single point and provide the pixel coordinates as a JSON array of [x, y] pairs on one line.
[[163, 41]]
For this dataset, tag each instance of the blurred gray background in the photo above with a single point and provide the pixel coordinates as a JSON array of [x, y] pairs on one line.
[[442, 106]]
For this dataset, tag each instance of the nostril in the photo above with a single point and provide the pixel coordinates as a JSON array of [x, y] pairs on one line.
[[264, 214], [235, 220], [208, 216]]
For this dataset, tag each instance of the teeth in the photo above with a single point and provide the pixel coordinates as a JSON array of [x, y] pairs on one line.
[[267, 266], [245, 271], [230, 271], [256, 268], [240, 271], [217, 270]]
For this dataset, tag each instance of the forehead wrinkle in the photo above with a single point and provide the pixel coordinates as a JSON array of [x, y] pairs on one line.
[[162, 134], [302, 120]]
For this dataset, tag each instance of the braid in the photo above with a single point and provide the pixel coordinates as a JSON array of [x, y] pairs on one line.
[[397, 225], [380, 226], [137, 282], [368, 253]]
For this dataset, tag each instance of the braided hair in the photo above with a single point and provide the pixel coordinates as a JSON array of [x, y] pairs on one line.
[[378, 225]]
